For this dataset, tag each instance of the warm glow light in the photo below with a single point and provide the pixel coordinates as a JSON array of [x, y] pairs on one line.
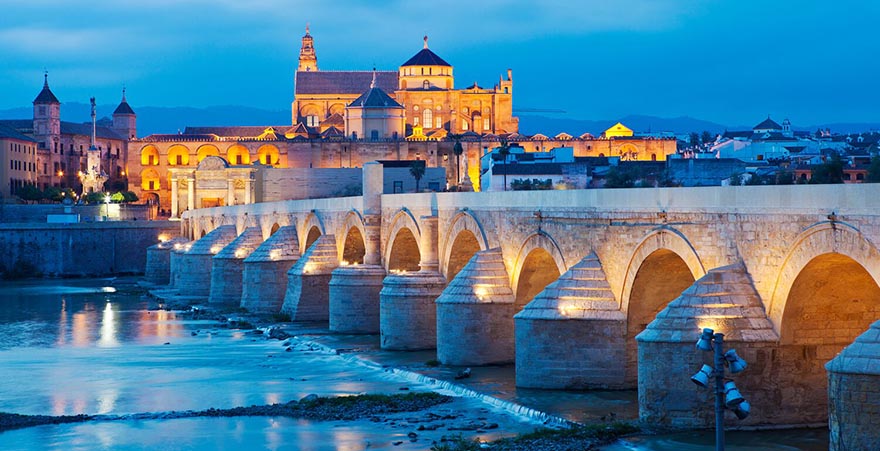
[[344, 263], [108, 327], [163, 237], [566, 309], [398, 271], [309, 267], [275, 254], [240, 253], [60, 173], [480, 291], [216, 248]]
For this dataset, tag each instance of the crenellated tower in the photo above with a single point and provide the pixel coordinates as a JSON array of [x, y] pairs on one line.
[[308, 60]]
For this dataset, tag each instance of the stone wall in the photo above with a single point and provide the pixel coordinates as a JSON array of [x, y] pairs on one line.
[[65, 250]]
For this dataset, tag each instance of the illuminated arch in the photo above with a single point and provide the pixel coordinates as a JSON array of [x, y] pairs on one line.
[[237, 154], [461, 222], [352, 246], [661, 238], [207, 150], [337, 108], [404, 219], [817, 240], [178, 155], [311, 224], [150, 180], [268, 154], [538, 241], [149, 156]]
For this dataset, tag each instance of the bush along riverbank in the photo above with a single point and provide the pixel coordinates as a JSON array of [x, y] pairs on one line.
[[311, 407], [576, 438]]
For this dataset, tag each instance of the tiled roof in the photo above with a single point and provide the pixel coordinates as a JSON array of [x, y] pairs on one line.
[[375, 98], [123, 108], [72, 128], [426, 57], [46, 96], [20, 125], [242, 131], [11, 133], [334, 119], [768, 124], [343, 82]]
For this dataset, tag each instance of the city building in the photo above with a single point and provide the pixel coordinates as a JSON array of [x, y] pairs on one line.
[[18, 161], [62, 146]]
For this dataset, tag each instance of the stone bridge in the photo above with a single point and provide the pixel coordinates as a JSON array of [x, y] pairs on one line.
[[581, 289]]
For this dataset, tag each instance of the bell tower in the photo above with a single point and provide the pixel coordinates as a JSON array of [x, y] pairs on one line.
[[308, 60]]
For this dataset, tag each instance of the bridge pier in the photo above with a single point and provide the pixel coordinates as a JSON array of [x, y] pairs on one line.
[[265, 272], [308, 282], [228, 265], [571, 335], [407, 313], [158, 268], [475, 314], [177, 253], [354, 298], [854, 396], [194, 267], [726, 301]]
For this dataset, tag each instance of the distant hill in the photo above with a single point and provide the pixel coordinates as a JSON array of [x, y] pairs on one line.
[[173, 119]]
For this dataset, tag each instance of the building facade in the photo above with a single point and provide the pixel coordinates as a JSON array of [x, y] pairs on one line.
[[18, 161]]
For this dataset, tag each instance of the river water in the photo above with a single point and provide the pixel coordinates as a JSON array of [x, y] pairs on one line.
[[92, 346]]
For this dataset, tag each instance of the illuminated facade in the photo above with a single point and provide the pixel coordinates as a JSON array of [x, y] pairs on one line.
[[424, 85]]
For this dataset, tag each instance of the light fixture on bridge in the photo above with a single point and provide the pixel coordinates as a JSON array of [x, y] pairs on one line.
[[726, 394], [702, 376]]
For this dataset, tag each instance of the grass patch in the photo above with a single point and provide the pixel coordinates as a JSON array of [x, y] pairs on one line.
[[432, 363], [575, 438], [9, 421]]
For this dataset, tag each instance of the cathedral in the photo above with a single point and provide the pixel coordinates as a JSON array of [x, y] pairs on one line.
[[422, 92]]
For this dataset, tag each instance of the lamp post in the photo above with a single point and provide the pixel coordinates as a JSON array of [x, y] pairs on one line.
[[726, 393]]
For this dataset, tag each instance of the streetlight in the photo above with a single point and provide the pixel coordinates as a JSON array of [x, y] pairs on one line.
[[726, 393], [106, 206]]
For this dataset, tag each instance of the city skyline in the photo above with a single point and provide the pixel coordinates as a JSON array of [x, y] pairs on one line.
[[729, 63]]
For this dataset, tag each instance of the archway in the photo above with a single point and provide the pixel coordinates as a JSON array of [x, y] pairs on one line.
[[313, 235], [662, 276], [149, 156], [463, 248], [150, 180], [353, 249], [205, 151], [538, 270], [268, 154], [178, 155], [238, 155], [833, 300], [404, 254]]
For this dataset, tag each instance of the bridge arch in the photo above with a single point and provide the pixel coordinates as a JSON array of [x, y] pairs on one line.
[[269, 224], [538, 263], [312, 228], [663, 265], [402, 251], [352, 246], [463, 238]]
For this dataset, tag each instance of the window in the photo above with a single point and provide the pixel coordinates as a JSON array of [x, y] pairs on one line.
[[486, 123], [426, 84], [464, 125], [415, 120], [398, 186], [312, 120], [653, 157], [438, 122], [42, 111], [374, 134], [428, 117]]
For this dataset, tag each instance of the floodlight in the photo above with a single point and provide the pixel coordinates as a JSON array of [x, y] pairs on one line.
[[705, 341], [742, 410], [702, 377], [735, 363], [732, 397]]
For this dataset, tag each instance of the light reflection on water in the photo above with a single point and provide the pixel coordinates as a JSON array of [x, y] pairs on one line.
[[780, 440]]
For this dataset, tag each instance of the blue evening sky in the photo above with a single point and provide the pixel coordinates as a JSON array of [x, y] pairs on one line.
[[722, 60]]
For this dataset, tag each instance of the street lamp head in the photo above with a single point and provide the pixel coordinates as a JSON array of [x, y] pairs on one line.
[[705, 341], [732, 397], [734, 361], [702, 376], [742, 410]]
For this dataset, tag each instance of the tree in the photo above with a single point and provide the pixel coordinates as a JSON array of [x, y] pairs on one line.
[[52, 193], [829, 172], [694, 140], [457, 150], [873, 171], [619, 178], [417, 169], [30, 193], [707, 137], [504, 151]]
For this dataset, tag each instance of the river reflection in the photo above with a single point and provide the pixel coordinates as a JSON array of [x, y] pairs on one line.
[[80, 313]]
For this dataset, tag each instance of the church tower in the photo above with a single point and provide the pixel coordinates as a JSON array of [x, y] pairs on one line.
[[124, 120], [47, 117], [308, 60]]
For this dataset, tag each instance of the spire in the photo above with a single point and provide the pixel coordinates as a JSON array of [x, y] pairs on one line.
[[45, 96], [123, 94], [426, 41], [307, 29], [45, 78], [373, 83], [308, 59], [124, 107]]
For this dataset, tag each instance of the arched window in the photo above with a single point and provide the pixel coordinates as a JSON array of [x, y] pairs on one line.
[[178, 155], [426, 84], [427, 117], [150, 156], [150, 180]]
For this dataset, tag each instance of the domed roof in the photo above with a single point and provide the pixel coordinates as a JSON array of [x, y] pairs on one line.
[[426, 57]]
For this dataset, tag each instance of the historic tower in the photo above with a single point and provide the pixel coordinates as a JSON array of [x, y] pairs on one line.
[[308, 60], [124, 120], [47, 117]]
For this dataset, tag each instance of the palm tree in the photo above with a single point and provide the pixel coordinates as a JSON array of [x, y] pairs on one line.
[[504, 151], [417, 169], [457, 150]]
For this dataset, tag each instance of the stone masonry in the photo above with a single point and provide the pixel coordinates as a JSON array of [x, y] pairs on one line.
[[854, 391], [195, 265], [228, 265], [308, 286], [264, 281], [354, 298]]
